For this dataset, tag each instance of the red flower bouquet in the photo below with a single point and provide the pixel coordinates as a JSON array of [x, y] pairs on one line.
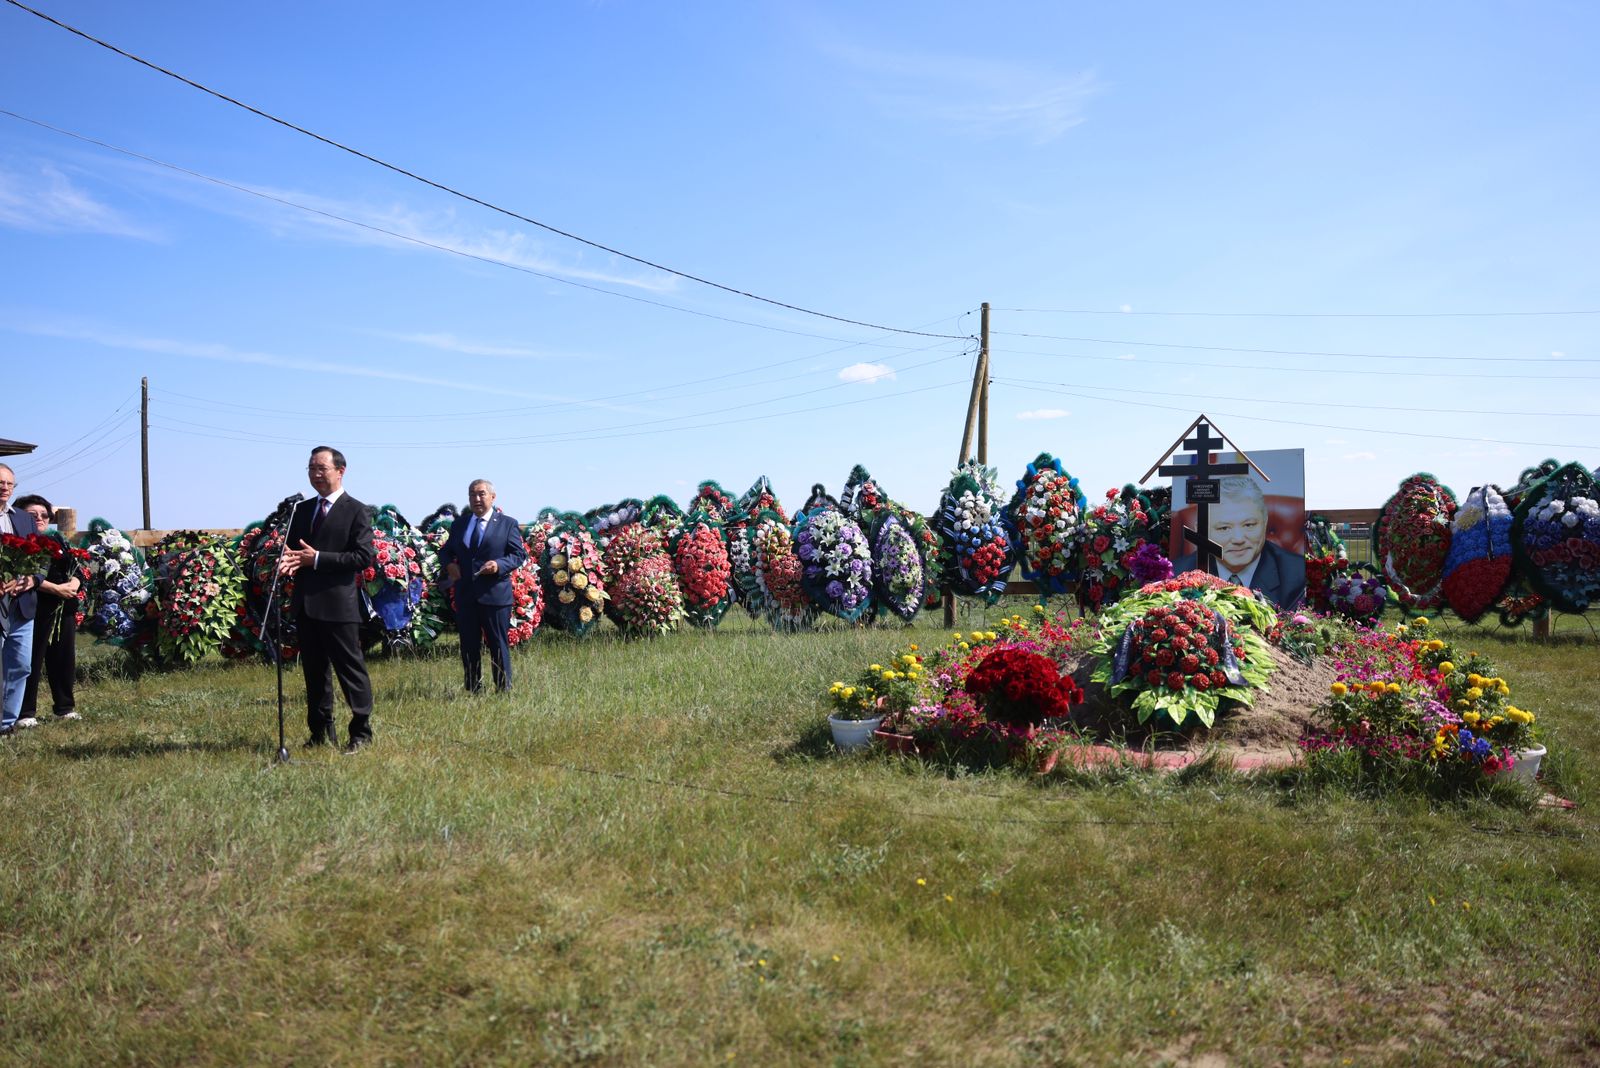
[[705, 574], [1020, 688], [1412, 540], [22, 555]]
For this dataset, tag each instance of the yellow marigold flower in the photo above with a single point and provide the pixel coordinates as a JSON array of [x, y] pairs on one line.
[[1435, 645], [1339, 689], [1422, 621], [1471, 719], [964, 647], [908, 659], [1376, 686], [1446, 667], [914, 647], [922, 882], [1463, 704], [956, 636], [848, 692], [1038, 609], [875, 667], [1503, 688], [1474, 692], [1393, 687]]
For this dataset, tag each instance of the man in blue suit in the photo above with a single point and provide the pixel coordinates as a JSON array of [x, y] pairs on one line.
[[483, 549], [1239, 525]]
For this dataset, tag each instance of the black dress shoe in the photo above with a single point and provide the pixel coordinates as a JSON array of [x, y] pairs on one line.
[[355, 745], [316, 741]]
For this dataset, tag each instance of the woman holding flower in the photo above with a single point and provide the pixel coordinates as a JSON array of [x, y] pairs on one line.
[[55, 628]]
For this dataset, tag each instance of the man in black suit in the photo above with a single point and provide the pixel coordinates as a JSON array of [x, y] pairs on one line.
[[329, 546], [483, 549], [1239, 525]]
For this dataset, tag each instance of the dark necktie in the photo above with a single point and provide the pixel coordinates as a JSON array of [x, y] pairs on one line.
[[477, 533], [316, 518], [1234, 579]]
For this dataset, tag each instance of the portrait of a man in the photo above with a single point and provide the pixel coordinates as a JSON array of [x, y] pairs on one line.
[[1260, 537]]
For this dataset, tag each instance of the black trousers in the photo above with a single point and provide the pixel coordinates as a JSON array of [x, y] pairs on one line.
[[328, 649], [480, 625], [55, 655]]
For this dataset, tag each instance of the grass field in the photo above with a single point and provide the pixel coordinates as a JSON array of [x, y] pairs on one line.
[[649, 855]]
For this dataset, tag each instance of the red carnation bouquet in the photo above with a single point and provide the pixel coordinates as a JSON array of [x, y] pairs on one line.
[[705, 573], [1019, 688], [26, 554]]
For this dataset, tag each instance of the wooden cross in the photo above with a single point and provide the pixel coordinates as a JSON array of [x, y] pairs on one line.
[[1201, 487]]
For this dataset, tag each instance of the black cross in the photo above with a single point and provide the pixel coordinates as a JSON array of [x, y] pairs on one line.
[[1201, 489]]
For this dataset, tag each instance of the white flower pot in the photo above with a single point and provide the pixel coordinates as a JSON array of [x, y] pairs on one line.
[[1527, 766], [853, 733]]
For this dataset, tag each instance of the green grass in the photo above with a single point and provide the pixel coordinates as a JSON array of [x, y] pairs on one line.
[[648, 855]]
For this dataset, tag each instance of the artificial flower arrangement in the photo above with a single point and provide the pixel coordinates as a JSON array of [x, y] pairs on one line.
[[975, 532], [865, 501], [712, 500], [527, 600], [1322, 569], [198, 591], [1357, 596], [1047, 515], [836, 561], [1406, 706], [571, 572], [1019, 688], [644, 593], [1412, 540], [119, 586], [439, 602], [1556, 538], [394, 584], [757, 499], [662, 515], [607, 519], [1478, 565], [774, 585], [1110, 533], [705, 573], [258, 550], [899, 569], [1182, 646], [1322, 539]]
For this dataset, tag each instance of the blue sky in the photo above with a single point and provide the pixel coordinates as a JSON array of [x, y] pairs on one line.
[[1341, 175]]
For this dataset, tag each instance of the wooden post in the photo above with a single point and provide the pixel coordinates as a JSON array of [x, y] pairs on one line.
[[983, 396], [67, 522], [978, 373], [144, 445], [1541, 628]]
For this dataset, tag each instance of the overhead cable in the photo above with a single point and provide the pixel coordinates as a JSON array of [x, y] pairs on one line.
[[1341, 371], [1296, 422], [1301, 352], [1295, 315], [442, 187], [480, 257]]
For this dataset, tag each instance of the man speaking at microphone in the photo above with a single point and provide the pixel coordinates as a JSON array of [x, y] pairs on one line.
[[329, 546], [483, 549]]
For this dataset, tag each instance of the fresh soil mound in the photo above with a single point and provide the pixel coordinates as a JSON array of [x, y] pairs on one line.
[[1264, 733]]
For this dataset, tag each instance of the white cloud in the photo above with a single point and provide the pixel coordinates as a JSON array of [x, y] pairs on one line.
[[1126, 308], [866, 372], [1559, 355], [49, 202], [205, 350], [451, 343], [1360, 456], [292, 213], [983, 97], [1044, 413]]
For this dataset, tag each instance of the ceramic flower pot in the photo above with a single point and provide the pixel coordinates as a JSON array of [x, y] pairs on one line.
[[1527, 766], [853, 733]]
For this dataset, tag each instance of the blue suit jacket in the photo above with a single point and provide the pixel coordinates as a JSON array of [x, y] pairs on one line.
[[1280, 576], [22, 523], [501, 542]]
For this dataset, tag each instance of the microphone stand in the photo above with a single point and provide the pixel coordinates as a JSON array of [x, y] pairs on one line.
[[277, 627]]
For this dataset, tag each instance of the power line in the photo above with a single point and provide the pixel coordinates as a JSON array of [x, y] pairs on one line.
[[1311, 403], [1320, 426], [56, 455], [1295, 315], [1341, 371], [57, 462], [95, 461], [479, 257], [456, 192], [1299, 352]]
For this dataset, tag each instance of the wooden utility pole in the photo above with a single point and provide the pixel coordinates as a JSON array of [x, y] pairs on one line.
[[144, 445], [983, 398], [977, 414]]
